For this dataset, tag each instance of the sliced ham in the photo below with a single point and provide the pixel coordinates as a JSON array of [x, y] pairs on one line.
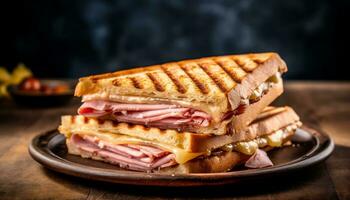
[[154, 113], [173, 121], [107, 105], [115, 150], [122, 159], [140, 118], [90, 112], [259, 160], [159, 115], [163, 161], [137, 157], [151, 150], [126, 150], [200, 114]]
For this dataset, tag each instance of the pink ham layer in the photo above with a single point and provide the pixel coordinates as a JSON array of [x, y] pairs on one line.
[[143, 157], [129, 156], [159, 115]]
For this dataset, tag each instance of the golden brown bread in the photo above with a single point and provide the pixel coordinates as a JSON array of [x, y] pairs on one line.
[[271, 120], [200, 83]]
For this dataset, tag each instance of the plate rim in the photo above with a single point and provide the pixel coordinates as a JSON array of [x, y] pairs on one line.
[[54, 162]]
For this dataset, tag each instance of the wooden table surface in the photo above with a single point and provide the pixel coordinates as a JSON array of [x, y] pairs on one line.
[[322, 104]]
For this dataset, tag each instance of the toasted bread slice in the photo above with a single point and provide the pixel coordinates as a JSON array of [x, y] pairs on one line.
[[205, 80], [269, 121]]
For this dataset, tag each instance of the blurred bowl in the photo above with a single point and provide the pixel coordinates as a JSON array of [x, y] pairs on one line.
[[44, 99]]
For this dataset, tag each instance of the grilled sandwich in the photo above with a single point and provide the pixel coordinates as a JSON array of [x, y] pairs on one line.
[[198, 96], [142, 148]]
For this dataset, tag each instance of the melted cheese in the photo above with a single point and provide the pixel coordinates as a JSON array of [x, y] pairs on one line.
[[181, 156], [247, 148], [259, 91], [276, 139], [273, 140]]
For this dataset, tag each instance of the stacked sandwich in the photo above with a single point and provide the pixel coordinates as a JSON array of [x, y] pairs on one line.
[[202, 115]]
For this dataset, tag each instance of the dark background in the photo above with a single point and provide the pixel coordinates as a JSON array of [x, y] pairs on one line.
[[72, 38]]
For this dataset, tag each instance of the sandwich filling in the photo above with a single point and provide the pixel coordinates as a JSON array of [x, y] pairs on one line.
[[148, 156], [136, 157], [170, 116], [166, 115]]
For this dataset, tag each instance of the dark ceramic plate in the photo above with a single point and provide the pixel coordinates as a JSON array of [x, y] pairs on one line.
[[50, 150], [41, 99]]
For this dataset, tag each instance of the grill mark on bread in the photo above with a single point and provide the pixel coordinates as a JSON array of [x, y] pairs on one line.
[[230, 71], [180, 88], [116, 82], [115, 123], [136, 83], [156, 81], [100, 121], [162, 131], [94, 80], [86, 120], [244, 64], [255, 63], [258, 61], [202, 88], [130, 126], [217, 80], [145, 128], [72, 120], [239, 64]]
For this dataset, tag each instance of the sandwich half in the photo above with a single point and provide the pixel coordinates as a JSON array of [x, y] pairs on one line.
[[199, 96], [150, 149]]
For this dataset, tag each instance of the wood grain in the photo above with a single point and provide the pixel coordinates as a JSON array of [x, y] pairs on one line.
[[320, 104]]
